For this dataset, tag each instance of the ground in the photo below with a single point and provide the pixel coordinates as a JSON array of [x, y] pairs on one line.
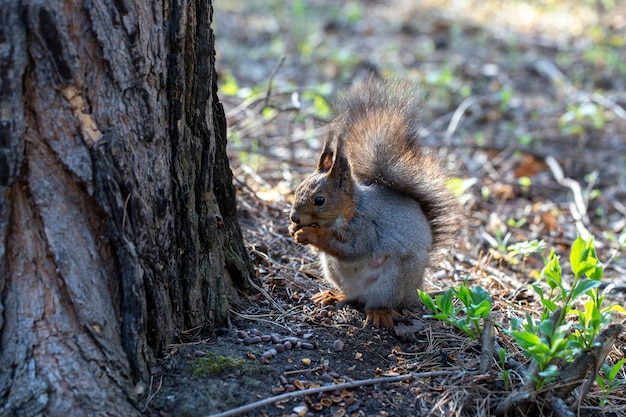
[[525, 102]]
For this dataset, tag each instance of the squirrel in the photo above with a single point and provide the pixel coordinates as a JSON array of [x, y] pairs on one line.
[[377, 208]]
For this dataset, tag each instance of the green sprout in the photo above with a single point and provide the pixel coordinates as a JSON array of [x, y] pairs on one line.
[[476, 305]]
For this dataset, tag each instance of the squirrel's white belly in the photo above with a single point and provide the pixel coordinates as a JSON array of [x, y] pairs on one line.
[[357, 278]]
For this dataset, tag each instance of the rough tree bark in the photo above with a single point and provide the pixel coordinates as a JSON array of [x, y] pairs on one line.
[[117, 214]]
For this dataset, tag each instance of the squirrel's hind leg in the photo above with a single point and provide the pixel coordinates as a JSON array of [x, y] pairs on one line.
[[328, 297], [382, 317]]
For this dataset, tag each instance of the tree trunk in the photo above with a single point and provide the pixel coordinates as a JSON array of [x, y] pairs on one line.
[[117, 213]]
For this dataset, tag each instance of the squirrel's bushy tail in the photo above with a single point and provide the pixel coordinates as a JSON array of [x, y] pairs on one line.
[[379, 133]]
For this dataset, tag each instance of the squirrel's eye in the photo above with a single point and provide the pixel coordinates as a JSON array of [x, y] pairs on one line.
[[319, 201]]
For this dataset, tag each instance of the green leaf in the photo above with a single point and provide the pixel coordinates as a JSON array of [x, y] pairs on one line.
[[526, 339], [615, 307], [549, 304], [442, 317], [538, 290], [427, 300], [463, 294], [577, 254], [596, 273], [583, 256], [583, 286], [546, 327], [541, 349], [516, 322], [479, 294], [502, 356], [482, 310], [444, 301], [550, 372], [615, 369]]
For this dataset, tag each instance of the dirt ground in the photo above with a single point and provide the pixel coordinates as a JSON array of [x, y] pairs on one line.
[[525, 101]]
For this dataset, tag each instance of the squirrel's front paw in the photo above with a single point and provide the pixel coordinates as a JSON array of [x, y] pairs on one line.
[[380, 318], [306, 235], [293, 228]]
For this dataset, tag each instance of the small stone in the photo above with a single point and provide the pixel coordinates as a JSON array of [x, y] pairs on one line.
[[254, 332], [340, 412], [306, 361], [247, 341], [140, 388], [241, 334], [256, 339], [287, 345], [308, 346], [275, 338], [278, 390], [265, 338], [279, 348], [289, 388], [326, 378], [300, 410], [337, 345]]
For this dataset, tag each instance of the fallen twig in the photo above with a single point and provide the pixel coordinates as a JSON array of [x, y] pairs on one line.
[[579, 206], [347, 385]]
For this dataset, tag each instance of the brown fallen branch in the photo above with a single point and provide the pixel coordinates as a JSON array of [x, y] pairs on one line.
[[347, 385], [584, 368]]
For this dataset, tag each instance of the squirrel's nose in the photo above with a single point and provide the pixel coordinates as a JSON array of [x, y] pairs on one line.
[[294, 218]]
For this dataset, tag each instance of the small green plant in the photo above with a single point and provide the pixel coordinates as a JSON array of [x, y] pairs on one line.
[[525, 183], [506, 373], [609, 382], [501, 241], [581, 116], [505, 96], [475, 306], [551, 337], [525, 139], [517, 224], [525, 249]]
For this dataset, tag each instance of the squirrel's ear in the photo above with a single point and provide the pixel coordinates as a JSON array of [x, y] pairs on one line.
[[329, 151], [340, 174], [326, 161]]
